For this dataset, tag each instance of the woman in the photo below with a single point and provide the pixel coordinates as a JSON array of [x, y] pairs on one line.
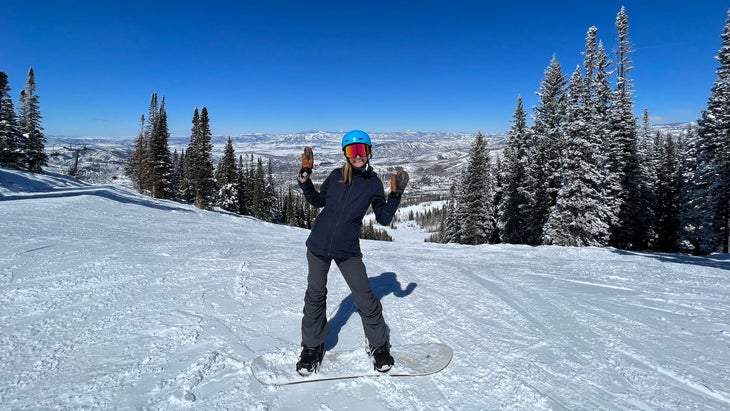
[[345, 195]]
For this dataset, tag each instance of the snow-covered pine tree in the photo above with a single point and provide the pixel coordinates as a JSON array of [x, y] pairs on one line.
[[10, 155], [634, 219], [514, 225], [543, 172], [29, 120], [578, 217], [498, 189], [601, 104], [649, 163], [450, 230], [689, 212], [598, 100], [476, 207], [710, 185], [226, 177]]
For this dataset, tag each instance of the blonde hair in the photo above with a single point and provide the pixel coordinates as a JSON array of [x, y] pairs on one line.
[[346, 173]]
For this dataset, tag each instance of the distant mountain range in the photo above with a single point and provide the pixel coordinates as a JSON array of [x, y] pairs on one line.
[[433, 159]]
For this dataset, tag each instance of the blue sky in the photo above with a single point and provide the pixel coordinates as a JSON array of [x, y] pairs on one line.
[[285, 66]]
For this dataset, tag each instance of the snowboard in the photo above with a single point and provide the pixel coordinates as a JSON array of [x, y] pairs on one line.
[[279, 367]]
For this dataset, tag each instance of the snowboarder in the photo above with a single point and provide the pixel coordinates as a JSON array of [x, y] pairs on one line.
[[345, 195]]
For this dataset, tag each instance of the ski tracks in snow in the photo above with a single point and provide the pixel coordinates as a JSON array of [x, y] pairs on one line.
[[546, 340], [590, 350]]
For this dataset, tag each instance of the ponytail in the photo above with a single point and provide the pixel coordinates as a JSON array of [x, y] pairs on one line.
[[346, 173]]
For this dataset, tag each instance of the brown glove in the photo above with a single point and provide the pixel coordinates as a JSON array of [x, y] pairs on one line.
[[398, 183], [307, 164]]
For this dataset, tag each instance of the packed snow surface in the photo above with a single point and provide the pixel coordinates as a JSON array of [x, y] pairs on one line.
[[112, 300]]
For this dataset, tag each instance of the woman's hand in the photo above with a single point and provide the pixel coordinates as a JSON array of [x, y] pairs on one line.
[[307, 165], [398, 183]]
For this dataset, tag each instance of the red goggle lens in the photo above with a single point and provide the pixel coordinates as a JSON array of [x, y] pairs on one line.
[[357, 149]]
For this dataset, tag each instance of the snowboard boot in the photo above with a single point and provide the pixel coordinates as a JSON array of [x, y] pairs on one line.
[[382, 360], [310, 359]]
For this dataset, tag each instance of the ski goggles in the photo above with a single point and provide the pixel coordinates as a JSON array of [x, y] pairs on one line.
[[357, 149]]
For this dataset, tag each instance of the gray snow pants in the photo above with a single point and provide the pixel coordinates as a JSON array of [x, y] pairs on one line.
[[314, 323]]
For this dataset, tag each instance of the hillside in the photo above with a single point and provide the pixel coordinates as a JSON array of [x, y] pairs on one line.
[[112, 300], [432, 158]]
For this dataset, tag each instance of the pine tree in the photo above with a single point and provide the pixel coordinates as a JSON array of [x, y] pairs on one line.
[[136, 164], [689, 209], [708, 214], [450, 229], [258, 184], [226, 172], [600, 100], [150, 166], [475, 208], [178, 174], [650, 155], [578, 219], [498, 190], [289, 209], [199, 165], [159, 158], [153, 114], [191, 156], [513, 221], [630, 230], [543, 171], [251, 187], [242, 182], [29, 120], [269, 197], [227, 179], [668, 198], [10, 155]]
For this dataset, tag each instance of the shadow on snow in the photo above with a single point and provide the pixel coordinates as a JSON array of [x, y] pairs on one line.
[[382, 285]]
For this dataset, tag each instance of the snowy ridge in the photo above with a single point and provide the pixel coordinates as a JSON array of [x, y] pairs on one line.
[[112, 300], [433, 158]]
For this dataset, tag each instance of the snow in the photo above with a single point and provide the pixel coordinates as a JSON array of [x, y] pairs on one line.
[[112, 300]]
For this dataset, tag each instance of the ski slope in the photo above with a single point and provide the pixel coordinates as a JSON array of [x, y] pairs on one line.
[[112, 300]]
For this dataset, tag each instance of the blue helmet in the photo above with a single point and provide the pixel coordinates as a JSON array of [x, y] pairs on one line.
[[355, 136]]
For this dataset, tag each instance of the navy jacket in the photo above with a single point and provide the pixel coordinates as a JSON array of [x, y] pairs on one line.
[[336, 229]]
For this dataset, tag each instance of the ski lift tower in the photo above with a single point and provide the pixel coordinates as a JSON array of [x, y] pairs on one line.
[[76, 150]]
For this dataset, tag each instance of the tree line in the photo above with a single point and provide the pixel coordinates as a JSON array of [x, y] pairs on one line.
[[240, 185], [586, 173], [22, 142]]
